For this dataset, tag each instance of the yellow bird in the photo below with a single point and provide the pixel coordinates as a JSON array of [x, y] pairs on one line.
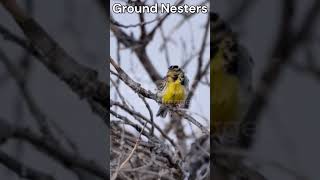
[[172, 90], [224, 96], [231, 71]]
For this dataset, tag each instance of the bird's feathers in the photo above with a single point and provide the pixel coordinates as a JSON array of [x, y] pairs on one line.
[[172, 89], [231, 77]]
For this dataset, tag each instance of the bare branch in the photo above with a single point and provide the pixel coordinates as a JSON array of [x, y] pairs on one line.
[[134, 113], [40, 117], [81, 79], [58, 153], [130, 155], [136, 87], [200, 73], [287, 42], [22, 170]]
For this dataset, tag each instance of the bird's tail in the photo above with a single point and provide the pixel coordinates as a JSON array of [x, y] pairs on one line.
[[163, 111]]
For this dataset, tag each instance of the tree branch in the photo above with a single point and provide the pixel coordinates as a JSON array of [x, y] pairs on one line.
[[21, 169], [58, 153], [81, 79]]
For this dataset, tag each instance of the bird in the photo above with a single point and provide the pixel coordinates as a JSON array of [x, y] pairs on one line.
[[172, 90], [231, 82]]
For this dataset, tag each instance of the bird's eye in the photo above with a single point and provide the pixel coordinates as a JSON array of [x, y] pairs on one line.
[[173, 67]]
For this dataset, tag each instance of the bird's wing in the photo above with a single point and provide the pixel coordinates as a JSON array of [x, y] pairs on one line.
[[161, 84]]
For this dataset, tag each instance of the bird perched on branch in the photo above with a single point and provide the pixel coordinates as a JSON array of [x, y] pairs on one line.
[[231, 71], [172, 90]]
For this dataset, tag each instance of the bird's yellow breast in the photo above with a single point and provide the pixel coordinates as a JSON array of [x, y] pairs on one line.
[[224, 97], [174, 93]]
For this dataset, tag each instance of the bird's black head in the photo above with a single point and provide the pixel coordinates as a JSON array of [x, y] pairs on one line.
[[174, 71], [173, 67]]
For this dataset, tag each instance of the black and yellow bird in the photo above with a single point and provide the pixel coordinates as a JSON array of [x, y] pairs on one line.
[[172, 90], [231, 72]]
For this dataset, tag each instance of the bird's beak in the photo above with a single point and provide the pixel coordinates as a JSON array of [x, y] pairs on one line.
[[175, 76]]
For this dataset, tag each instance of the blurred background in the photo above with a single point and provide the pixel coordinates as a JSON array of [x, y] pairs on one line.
[[286, 144], [79, 26]]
